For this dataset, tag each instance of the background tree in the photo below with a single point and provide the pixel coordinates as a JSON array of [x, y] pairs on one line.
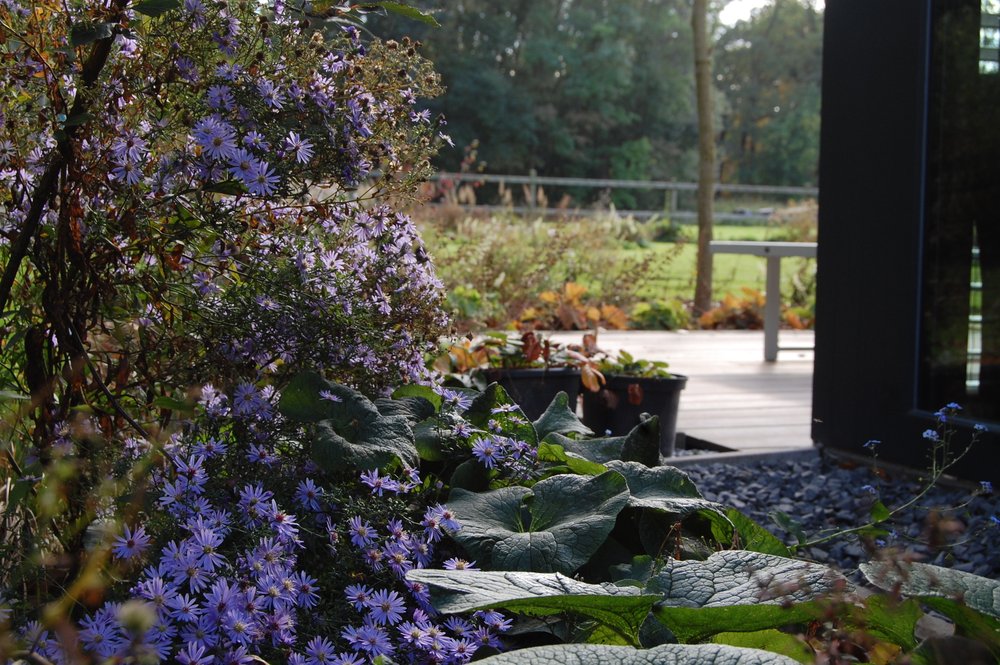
[[769, 69], [584, 88], [706, 153]]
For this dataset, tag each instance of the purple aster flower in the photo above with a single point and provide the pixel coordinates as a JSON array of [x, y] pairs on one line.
[[455, 563], [454, 399], [398, 558], [320, 651], [220, 97], [263, 180], [308, 494], [203, 632], [216, 138], [458, 626], [270, 95], [305, 593], [358, 595], [255, 141], [158, 592], [131, 544], [194, 654], [101, 634], [372, 640], [205, 547], [300, 147], [487, 452], [412, 634], [329, 396], [253, 500], [128, 146], [184, 608], [187, 70], [242, 164], [284, 523], [386, 607], [362, 533], [239, 627], [127, 171], [379, 483]]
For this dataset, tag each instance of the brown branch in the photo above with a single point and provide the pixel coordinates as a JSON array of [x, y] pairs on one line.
[[60, 157]]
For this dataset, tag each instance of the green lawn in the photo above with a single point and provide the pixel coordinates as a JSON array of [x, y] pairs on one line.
[[731, 272]]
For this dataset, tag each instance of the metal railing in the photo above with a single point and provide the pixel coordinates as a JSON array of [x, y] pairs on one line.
[[671, 190]]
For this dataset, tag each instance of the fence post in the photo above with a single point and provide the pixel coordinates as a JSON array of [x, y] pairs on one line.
[[532, 189]]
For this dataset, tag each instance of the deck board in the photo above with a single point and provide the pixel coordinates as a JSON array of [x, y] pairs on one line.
[[733, 397]]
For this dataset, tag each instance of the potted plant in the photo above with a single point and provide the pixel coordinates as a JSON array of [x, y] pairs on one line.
[[631, 387], [532, 370]]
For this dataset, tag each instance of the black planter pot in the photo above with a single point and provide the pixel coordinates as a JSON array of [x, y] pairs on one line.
[[534, 388], [611, 408]]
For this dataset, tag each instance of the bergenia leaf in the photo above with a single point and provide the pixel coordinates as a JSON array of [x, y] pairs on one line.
[[495, 404], [922, 580], [622, 609], [558, 417], [736, 590], [665, 654], [556, 526], [154, 8]]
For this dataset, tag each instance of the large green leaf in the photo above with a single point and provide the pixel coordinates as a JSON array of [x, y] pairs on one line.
[[553, 527], [156, 8], [669, 491], [923, 580], [408, 12], [620, 609], [666, 654], [641, 445], [558, 417], [350, 430], [309, 398], [970, 601], [753, 536], [414, 409], [414, 390], [495, 404], [553, 452], [663, 488], [889, 619], [368, 444], [769, 640], [599, 450], [739, 591], [81, 34]]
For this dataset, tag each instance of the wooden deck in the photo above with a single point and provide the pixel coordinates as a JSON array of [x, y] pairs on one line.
[[733, 398]]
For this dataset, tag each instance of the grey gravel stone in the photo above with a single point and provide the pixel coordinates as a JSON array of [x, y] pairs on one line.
[[823, 496]]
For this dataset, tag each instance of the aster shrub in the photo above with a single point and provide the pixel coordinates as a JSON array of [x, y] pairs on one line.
[[202, 190]]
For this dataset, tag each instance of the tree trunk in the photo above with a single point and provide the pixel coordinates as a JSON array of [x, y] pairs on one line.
[[706, 154]]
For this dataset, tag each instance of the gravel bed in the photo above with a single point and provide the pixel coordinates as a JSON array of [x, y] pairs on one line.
[[823, 495]]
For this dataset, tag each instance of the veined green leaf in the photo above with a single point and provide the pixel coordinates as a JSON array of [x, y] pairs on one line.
[[414, 390], [621, 609], [769, 640], [408, 12], [740, 591], [555, 526], [666, 654], [559, 418], [82, 34], [154, 8]]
